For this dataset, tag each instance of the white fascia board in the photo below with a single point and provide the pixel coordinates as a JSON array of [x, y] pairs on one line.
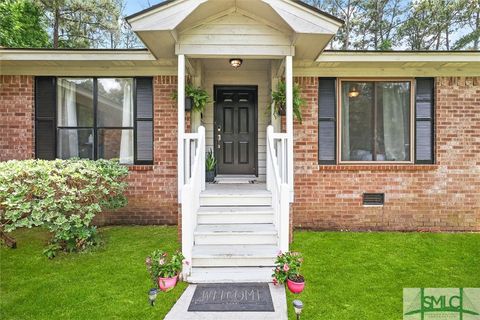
[[165, 18], [399, 57], [68, 55], [302, 20]]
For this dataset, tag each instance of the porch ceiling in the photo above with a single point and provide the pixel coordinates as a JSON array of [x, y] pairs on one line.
[[212, 28]]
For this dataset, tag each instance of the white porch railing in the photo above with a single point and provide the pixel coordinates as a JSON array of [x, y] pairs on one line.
[[278, 183], [194, 184]]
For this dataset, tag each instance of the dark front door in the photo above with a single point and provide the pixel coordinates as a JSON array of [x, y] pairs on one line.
[[235, 129]]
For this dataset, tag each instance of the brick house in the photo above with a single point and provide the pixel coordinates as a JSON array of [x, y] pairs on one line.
[[388, 141]]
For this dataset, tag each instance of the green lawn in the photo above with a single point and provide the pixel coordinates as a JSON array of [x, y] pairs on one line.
[[110, 282], [349, 275], [362, 275]]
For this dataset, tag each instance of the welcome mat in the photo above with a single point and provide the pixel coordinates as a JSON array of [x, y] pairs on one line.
[[232, 297]]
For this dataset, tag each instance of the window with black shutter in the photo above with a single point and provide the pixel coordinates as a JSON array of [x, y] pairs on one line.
[[327, 120], [45, 102], [144, 121], [424, 121], [94, 118]]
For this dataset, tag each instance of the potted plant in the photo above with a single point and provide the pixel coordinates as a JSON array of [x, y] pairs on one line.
[[196, 98], [210, 163], [164, 270], [279, 100], [287, 270]]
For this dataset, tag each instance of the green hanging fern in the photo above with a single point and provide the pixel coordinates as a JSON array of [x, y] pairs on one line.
[[199, 97], [279, 100]]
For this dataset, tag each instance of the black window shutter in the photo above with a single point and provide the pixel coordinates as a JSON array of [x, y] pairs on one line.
[[424, 121], [327, 115], [45, 114], [144, 121]]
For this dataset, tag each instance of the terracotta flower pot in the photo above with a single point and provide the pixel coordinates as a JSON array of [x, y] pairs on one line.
[[296, 286], [166, 284]]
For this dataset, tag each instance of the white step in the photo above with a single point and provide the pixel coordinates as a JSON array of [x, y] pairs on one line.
[[218, 200], [234, 255], [232, 215], [236, 195], [227, 179], [236, 234], [228, 274]]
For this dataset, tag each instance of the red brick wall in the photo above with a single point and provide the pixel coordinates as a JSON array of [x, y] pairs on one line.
[[16, 117], [443, 196]]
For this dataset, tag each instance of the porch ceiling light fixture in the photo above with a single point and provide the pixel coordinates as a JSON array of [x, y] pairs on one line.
[[353, 92], [236, 62]]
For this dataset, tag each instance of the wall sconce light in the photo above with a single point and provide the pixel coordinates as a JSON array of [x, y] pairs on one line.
[[353, 92], [152, 296], [297, 306], [236, 62]]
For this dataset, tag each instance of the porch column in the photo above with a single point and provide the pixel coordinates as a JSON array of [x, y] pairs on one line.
[[289, 102], [181, 124]]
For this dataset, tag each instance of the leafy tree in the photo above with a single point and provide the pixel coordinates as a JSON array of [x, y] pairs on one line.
[[22, 25], [401, 24], [81, 23], [123, 36], [348, 11], [378, 24], [470, 22]]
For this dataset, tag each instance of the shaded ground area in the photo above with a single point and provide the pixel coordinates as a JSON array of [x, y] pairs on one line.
[[349, 275]]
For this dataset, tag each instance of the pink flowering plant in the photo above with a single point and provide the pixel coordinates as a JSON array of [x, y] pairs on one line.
[[287, 266], [161, 265]]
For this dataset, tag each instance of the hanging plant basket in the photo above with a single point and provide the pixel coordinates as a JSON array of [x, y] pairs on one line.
[[188, 103], [282, 110]]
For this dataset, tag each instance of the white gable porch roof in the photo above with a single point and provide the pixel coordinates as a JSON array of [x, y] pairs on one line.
[[266, 28]]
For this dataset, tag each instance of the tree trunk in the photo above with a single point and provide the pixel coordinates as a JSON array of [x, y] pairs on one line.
[[56, 26], [476, 40], [447, 42]]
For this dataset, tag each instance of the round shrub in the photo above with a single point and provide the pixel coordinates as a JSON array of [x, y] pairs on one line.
[[62, 195]]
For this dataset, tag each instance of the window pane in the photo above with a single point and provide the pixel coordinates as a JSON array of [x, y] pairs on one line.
[[357, 124], [115, 102], [116, 144], [393, 121], [75, 143], [74, 102]]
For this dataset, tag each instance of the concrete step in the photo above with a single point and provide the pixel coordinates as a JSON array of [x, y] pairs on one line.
[[230, 275], [234, 255], [234, 215], [264, 233]]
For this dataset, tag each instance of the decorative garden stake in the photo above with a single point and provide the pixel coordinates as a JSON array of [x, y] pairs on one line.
[[152, 296], [297, 306]]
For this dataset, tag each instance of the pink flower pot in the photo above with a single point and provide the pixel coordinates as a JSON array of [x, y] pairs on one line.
[[166, 284], [295, 287]]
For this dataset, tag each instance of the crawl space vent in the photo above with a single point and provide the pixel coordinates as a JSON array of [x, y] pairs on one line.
[[373, 199]]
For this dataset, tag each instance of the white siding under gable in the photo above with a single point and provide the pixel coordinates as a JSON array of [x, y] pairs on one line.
[[234, 29]]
